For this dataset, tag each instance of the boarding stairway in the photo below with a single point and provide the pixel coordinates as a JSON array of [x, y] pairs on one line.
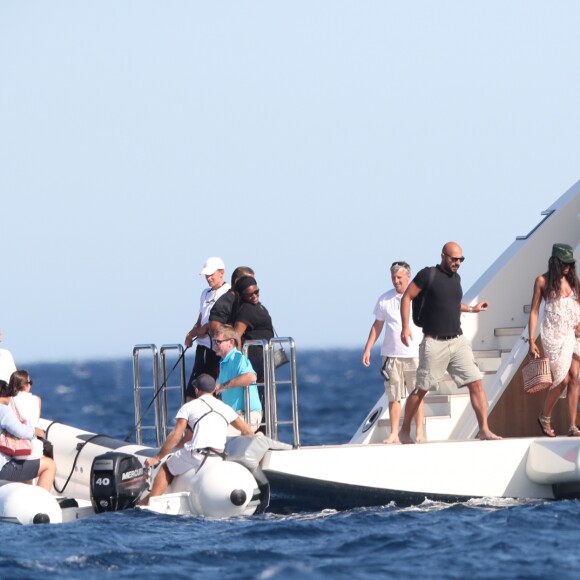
[[448, 412], [160, 378], [444, 407]]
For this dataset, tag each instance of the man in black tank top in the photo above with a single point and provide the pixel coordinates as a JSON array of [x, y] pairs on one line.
[[444, 348]]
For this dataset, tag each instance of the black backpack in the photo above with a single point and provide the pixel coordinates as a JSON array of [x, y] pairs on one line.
[[419, 301]]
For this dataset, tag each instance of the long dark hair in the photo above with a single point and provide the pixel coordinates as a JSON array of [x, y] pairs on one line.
[[554, 276]]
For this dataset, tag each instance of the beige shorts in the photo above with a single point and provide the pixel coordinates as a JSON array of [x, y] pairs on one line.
[[454, 356], [255, 420], [401, 373]]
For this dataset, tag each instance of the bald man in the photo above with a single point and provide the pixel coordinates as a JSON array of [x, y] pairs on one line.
[[443, 348]]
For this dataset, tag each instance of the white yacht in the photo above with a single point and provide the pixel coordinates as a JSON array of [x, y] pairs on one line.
[[97, 473]]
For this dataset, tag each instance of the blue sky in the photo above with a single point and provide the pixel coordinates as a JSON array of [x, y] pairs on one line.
[[314, 141]]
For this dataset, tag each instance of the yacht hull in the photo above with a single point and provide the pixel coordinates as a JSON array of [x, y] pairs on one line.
[[350, 476]]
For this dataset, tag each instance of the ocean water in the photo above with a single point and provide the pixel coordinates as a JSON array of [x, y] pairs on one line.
[[483, 538]]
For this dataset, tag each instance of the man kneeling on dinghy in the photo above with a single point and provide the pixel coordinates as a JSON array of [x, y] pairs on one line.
[[208, 419]]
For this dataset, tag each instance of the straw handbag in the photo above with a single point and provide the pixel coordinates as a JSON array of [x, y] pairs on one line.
[[537, 375]]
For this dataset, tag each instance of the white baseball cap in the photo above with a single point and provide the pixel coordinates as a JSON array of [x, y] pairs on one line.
[[211, 265]]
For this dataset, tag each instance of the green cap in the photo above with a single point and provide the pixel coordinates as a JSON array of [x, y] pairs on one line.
[[564, 253]]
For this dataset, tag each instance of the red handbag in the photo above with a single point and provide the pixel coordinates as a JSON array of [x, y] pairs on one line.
[[12, 445]]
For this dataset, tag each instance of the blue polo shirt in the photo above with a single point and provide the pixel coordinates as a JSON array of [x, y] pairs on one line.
[[232, 366]]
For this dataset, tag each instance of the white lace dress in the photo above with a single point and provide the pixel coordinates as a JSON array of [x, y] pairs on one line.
[[561, 315]]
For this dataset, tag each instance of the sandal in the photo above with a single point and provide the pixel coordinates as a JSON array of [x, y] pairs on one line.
[[546, 426], [574, 432]]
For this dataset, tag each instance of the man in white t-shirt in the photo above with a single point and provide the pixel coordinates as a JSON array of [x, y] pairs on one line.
[[206, 360], [399, 362], [208, 419]]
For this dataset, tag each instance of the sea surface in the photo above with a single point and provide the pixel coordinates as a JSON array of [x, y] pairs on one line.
[[484, 538]]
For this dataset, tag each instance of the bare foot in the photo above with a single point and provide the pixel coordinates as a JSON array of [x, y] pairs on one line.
[[392, 438], [405, 438], [420, 438], [487, 435]]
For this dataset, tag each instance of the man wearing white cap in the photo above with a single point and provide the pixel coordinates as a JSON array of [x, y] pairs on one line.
[[206, 360]]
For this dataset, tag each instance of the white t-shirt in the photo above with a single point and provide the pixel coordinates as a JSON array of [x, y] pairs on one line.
[[207, 299], [28, 406], [7, 366], [209, 419], [9, 422], [388, 309]]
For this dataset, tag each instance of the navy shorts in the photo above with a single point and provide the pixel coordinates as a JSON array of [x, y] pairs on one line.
[[20, 470]]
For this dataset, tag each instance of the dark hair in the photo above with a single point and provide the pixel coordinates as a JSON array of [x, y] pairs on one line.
[[204, 383], [17, 381], [7, 390], [554, 276], [245, 282], [241, 271]]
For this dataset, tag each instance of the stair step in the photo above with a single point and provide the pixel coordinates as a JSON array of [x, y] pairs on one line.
[[439, 410], [509, 331], [493, 353], [489, 365], [436, 398], [436, 407], [385, 422]]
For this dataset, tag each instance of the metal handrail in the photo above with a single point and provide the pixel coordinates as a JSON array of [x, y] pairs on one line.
[[271, 421], [165, 427], [137, 388], [293, 381], [247, 409]]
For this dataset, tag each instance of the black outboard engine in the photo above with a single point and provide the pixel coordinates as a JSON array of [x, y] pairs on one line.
[[117, 482]]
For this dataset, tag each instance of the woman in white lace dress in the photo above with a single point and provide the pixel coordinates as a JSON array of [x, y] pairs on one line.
[[560, 330]]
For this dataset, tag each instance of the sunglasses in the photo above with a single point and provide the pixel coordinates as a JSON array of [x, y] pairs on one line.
[[460, 259], [256, 292], [403, 264], [217, 341]]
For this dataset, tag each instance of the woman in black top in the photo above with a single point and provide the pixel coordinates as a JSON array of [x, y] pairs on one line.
[[253, 321]]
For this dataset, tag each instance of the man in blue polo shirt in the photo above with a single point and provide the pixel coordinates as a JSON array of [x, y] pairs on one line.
[[236, 372]]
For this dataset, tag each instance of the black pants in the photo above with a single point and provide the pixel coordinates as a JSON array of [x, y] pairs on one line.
[[206, 361]]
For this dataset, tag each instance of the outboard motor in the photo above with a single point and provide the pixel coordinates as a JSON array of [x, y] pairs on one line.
[[117, 482]]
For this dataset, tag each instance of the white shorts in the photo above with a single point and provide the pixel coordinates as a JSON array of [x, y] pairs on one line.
[[402, 374], [183, 460]]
